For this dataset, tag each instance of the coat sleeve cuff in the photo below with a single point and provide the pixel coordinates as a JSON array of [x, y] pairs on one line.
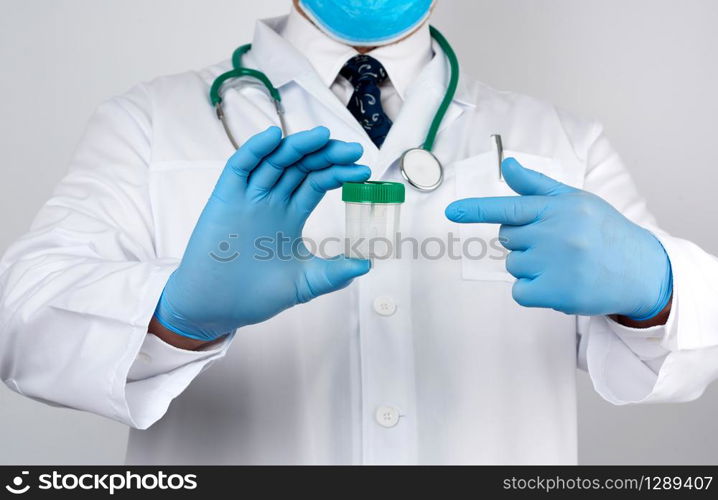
[[152, 373], [646, 343], [162, 372], [670, 363], [157, 357]]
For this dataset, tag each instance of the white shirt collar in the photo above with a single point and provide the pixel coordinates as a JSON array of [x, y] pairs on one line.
[[403, 60], [283, 62]]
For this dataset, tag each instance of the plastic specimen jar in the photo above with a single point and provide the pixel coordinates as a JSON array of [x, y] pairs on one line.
[[373, 212]]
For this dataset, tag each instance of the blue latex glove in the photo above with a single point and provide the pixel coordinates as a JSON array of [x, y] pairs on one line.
[[570, 250], [268, 187]]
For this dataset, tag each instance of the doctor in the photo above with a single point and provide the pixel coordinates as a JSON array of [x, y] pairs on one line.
[[112, 303]]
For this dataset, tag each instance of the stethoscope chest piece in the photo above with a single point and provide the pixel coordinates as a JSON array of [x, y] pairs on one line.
[[421, 169]]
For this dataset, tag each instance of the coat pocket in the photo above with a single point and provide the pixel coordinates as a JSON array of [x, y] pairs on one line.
[[482, 255]]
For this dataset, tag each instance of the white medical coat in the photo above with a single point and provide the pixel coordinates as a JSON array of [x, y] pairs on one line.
[[457, 373]]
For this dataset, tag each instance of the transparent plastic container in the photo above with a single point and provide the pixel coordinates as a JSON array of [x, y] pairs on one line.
[[373, 214]]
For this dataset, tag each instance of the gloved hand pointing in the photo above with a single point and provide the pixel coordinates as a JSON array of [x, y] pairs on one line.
[[572, 251], [245, 261]]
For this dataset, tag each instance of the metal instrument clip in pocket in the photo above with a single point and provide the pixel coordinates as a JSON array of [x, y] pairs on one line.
[[499, 148]]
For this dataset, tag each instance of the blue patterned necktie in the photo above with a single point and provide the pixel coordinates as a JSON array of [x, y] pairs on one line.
[[366, 74]]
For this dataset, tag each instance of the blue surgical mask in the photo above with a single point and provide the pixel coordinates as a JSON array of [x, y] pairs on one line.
[[367, 23]]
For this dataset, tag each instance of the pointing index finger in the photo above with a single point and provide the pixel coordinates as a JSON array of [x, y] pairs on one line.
[[508, 210]]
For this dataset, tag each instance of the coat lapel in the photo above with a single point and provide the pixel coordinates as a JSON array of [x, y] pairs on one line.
[[283, 64], [422, 101]]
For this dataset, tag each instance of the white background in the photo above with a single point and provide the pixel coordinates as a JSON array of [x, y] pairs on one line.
[[645, 68]]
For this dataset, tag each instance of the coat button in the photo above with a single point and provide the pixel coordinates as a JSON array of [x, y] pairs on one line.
[[387, 416], [384, 306], [144, 357]]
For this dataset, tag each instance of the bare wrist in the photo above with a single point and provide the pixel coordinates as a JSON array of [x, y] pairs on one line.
[[176, 340], [658, 320]]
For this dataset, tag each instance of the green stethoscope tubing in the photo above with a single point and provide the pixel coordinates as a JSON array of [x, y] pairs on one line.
[[238, 71], [450, 89]]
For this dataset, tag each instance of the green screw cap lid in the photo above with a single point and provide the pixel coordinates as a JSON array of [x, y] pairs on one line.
[[373, 192]]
